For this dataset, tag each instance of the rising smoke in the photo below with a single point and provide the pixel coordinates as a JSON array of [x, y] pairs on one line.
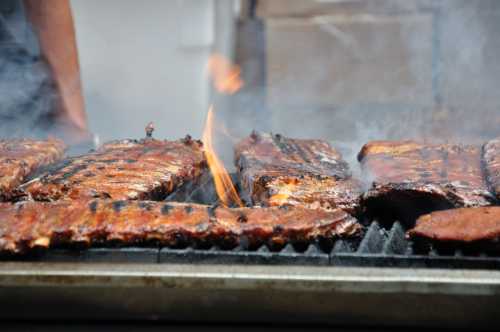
[[397, 70], [344, 86], [26, 93]]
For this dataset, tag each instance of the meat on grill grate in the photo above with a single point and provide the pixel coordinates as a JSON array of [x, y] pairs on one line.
[[408, 179], [27, 225], [491, 155], [19, 158], [125, 169], [459, 225], [275, 170]]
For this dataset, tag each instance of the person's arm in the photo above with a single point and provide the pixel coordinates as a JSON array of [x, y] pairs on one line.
[[53, 23]]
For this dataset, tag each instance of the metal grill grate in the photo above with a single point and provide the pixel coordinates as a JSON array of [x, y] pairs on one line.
[[378, 247]]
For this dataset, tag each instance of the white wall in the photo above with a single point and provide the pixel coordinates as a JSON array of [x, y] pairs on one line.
[[145, 61]]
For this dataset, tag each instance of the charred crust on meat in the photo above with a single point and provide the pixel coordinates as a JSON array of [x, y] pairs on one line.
[[180, 239], [149, 130], [73, 171], [166, 208], [254, 135], [278, 229], [188, 209], [130, 161], [119, 205], [242, 218], [145, 205], [187, 140], [147, 149], [211, 211], [93, 206], [103, 195], [109, 161]]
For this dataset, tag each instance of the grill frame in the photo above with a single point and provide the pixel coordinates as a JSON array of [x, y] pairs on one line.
[[250, 294]]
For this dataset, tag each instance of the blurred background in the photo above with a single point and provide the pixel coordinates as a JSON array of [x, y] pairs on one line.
[[344, 70]]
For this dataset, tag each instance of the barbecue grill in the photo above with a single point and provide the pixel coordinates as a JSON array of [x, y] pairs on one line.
[[381, 278]]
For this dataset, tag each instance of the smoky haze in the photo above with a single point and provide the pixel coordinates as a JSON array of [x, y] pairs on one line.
[[397, 70], [25, 85], [425, 70]]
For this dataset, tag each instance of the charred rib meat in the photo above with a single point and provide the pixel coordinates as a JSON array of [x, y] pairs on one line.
[[27, 225], [126, 169], [275, 170], [459, 225], [491, 155], [21, 157], [409, 179]]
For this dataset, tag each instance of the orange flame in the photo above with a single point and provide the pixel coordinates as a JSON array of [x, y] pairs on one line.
[[223, 185], [225, 75]]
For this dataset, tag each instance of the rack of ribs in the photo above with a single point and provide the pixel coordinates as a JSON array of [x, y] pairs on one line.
[[407, 179], [124, 169], [491, 157], [28, 225], [465, 225], [19, 158], [275, 170]]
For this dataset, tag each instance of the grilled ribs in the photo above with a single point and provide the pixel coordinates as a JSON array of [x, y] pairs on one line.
[[408, 179], [27, 225], [491, 156], [124, 169], [459, 225], [274, 170], [19, 158]]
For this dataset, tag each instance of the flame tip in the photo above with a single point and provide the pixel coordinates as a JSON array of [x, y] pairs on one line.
[[226, 76]]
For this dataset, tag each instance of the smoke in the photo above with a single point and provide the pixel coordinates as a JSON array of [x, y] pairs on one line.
[[388, 70], [26, 94], [426, 72]]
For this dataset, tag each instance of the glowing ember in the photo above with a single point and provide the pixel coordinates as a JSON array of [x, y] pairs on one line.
[[225, 75], [223, 184]]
